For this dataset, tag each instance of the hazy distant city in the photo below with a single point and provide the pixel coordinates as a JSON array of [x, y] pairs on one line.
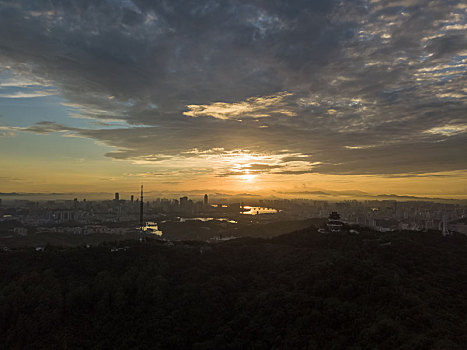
[[200, 218]]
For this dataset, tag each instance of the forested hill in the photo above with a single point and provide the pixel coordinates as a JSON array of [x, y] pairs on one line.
[[304, 290]]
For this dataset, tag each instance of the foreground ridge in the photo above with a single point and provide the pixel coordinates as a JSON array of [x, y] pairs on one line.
[[301, 290]]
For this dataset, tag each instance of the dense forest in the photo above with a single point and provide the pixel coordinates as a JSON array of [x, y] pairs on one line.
[[304, 290], [172, 230]]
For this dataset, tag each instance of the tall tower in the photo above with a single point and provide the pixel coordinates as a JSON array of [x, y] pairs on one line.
[[445, 227], [206, 201], [141, 210]]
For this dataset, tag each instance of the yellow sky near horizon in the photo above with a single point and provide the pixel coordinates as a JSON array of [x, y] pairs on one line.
[[102, 174]]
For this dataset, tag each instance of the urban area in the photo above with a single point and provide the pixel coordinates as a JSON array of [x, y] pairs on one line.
[[200, 219]]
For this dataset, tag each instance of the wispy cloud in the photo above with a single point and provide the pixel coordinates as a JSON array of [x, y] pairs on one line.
[[253, 107], [31, 94]]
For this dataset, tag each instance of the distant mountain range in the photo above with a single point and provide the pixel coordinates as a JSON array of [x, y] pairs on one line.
[[308, 194]]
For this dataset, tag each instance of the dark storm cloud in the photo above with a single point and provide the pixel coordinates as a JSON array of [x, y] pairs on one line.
[[166, 52], [354, 87]]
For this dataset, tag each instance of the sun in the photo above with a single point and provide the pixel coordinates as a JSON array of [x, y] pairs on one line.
[[248, 177]]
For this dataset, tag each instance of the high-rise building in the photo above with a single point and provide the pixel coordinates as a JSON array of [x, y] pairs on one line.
[[132, 198], [445, 231], [117, 196], [183, 202], [206, 201]]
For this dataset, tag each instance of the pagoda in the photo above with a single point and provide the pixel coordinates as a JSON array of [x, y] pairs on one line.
[[334, 222]]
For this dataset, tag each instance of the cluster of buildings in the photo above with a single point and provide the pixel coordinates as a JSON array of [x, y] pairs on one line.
[[119, 216], [381, 215], [116, 216]]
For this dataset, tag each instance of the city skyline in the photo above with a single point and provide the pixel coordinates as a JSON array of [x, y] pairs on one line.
[[268, 99]]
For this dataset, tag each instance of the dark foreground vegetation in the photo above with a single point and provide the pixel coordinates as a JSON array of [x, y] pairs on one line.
[[303, 290]]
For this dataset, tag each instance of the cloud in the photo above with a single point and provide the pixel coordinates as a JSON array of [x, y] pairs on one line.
[[359, 194], [6, 133], [350, 87], [253, 107], [45, 128], [250, 169], [23, 94], [448, 130]]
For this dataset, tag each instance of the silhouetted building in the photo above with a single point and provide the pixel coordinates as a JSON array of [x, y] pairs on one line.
[[117, 196], [206, 201], [385, 224], [183, 202], [132, 198], [334, 222], [22, 231]]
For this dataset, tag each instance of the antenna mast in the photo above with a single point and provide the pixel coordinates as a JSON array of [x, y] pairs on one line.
[[141, 210]]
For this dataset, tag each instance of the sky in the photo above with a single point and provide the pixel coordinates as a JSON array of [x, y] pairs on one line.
[[274, 98]]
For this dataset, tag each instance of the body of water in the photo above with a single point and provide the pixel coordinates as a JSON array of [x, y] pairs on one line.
[[258, 210], [208, 219]]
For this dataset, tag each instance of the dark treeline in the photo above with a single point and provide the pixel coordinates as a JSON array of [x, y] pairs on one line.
[[304, 290]]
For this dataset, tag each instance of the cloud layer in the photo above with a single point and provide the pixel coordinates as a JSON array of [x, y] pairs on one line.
[[353, 87]]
